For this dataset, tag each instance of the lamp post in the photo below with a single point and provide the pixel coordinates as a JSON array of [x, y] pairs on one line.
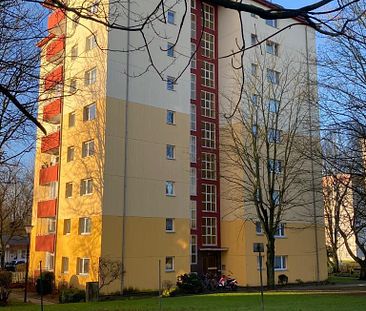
[[28, 230]]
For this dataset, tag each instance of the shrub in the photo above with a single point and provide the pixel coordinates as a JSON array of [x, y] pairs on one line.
[[282, 279], [190, 283], [68, 295], [48, 279], [5, 283]]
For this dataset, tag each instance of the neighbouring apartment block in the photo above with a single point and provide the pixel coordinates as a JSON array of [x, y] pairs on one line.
[[129, 169]]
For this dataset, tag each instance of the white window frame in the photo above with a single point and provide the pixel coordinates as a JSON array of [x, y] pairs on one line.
[[70, 153], [169, 267], [170, 188], [208, 132], [283, 263], [91, 42], [53, 187], [272, 47], [51, 225], [208, 45], [91, 76], [208, 74], [88, 148], [82, 264], [193, 56], [193, 181], [209, 231], [74, 52], [85, 224], [170, 17], [86, 186], [50, 261], [208, 166], [67, 226], [193, 26], [208, 104], [193, 214], [170, 152], [193, 117], [193, 149], [273, 76], [280, 232], [89, 112], [172, 229], [208, 16], [65, 265], [193, 87], [274, 136], [68, 190], [170, 83], [209, 198], [72, 119], [194, 249], [273, 105], [272, 22], [275, 166], [258, 228], [172, 114]]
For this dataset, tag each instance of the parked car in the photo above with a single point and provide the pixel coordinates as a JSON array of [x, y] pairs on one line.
[[11, 266]]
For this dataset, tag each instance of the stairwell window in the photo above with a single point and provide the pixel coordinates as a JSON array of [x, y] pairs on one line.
[[208, 45], [208, 132], [193, 86], [193, 149], [86, 186], [193, 54], [84, 225], [90, 76], [89, 112], [209, 197], [193, 181], [208, 166], [274, 136], [193, 26], [208, 16], [208, 104], [208, 74], [83, 266], [253, 39], [275, 166], [193, 245], [273, 105], [87, 149], [193, 215], [193, 118], [209, 230], [258, 228]]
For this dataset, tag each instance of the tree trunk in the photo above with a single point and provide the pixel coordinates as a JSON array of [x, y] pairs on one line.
[[363, 271], [270, 262], [2, 259], [335, 262]]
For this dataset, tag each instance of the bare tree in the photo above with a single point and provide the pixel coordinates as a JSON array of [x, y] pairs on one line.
[[263, 141], [109, 271], [15, 204]]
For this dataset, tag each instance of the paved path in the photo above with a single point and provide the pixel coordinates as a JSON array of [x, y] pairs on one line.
[[19, 295]]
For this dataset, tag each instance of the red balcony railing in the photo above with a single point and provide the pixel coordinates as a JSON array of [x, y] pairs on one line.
[[52, 111], [48, 174], [45, 243], [53, 78], [56, 21], [46, 208], [44, 41], [51, 143], [55, 49]]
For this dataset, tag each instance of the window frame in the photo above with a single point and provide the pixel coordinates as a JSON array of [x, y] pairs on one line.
[[90, 112], [172, 228], [81, 266], [209, 231], [172, 268], [68, 190], [67, 226], [86, 187], [85, 226], [283, 263], [169, 184], [88, 148], [172, 113]]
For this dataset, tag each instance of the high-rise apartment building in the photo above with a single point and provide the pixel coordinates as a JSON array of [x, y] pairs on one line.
[[130, 167]]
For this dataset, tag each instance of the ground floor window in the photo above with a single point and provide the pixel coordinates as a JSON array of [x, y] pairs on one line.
[[169, 264]]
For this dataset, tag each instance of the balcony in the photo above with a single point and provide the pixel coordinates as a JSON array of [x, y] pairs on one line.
[[56, 22], [46, 208], [44, 41], [51, 143], [52, 112], [55, 49], [45, 243], [48, 174], [53, 78]]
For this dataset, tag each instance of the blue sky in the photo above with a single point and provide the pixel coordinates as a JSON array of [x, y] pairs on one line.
[[294, 4]]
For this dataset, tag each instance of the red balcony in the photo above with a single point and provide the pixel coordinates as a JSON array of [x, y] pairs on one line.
[[51, 143], [45, 243], [48, 174], [53, 78], [56, 22], [44, 41], [46, 208], [55, 49], [52, 112]]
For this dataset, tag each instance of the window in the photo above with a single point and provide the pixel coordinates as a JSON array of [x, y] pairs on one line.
[[208, 74], [169, 225], [169, 188], [72, 119], [50, 261], [272, 48], [193, 117], [208, 166], [274, 136], [276, 197], [51, 225], [208, 135], [193, 215], [280, 232], [171, 17], [89, 112], [209, 197], [170, 152], [169, 264], [65, 265], [193, 86], [67, 226], [170, 117], [83, 266], [70, 153], [75, 21], [193, 181], [258, 227], [273, 105], [272, 22], [68, 190], [273, 76], [193, 149], [170, 81], [170, 49], [74, 52], [280, 263], [53, 189], [193, 249], [84, 225], [275, 166], [91, 42], [193, 53], [254, 69], [87, 149], [209, 230], [253, 39], [208, 16], [255, 98], [208, 104], [193, 4], [90, 76], [193, 26], [73, 86], [86, 186], [208, 45]]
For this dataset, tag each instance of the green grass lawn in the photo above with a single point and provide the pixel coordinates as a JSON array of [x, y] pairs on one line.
[[343, 279], [288, 301]]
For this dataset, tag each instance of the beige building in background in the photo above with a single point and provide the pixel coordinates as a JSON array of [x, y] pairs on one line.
[[130, 167]]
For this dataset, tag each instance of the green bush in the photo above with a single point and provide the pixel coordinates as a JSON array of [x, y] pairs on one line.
[[48, 280], [190, 284], [5, 282], [68, 295]]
